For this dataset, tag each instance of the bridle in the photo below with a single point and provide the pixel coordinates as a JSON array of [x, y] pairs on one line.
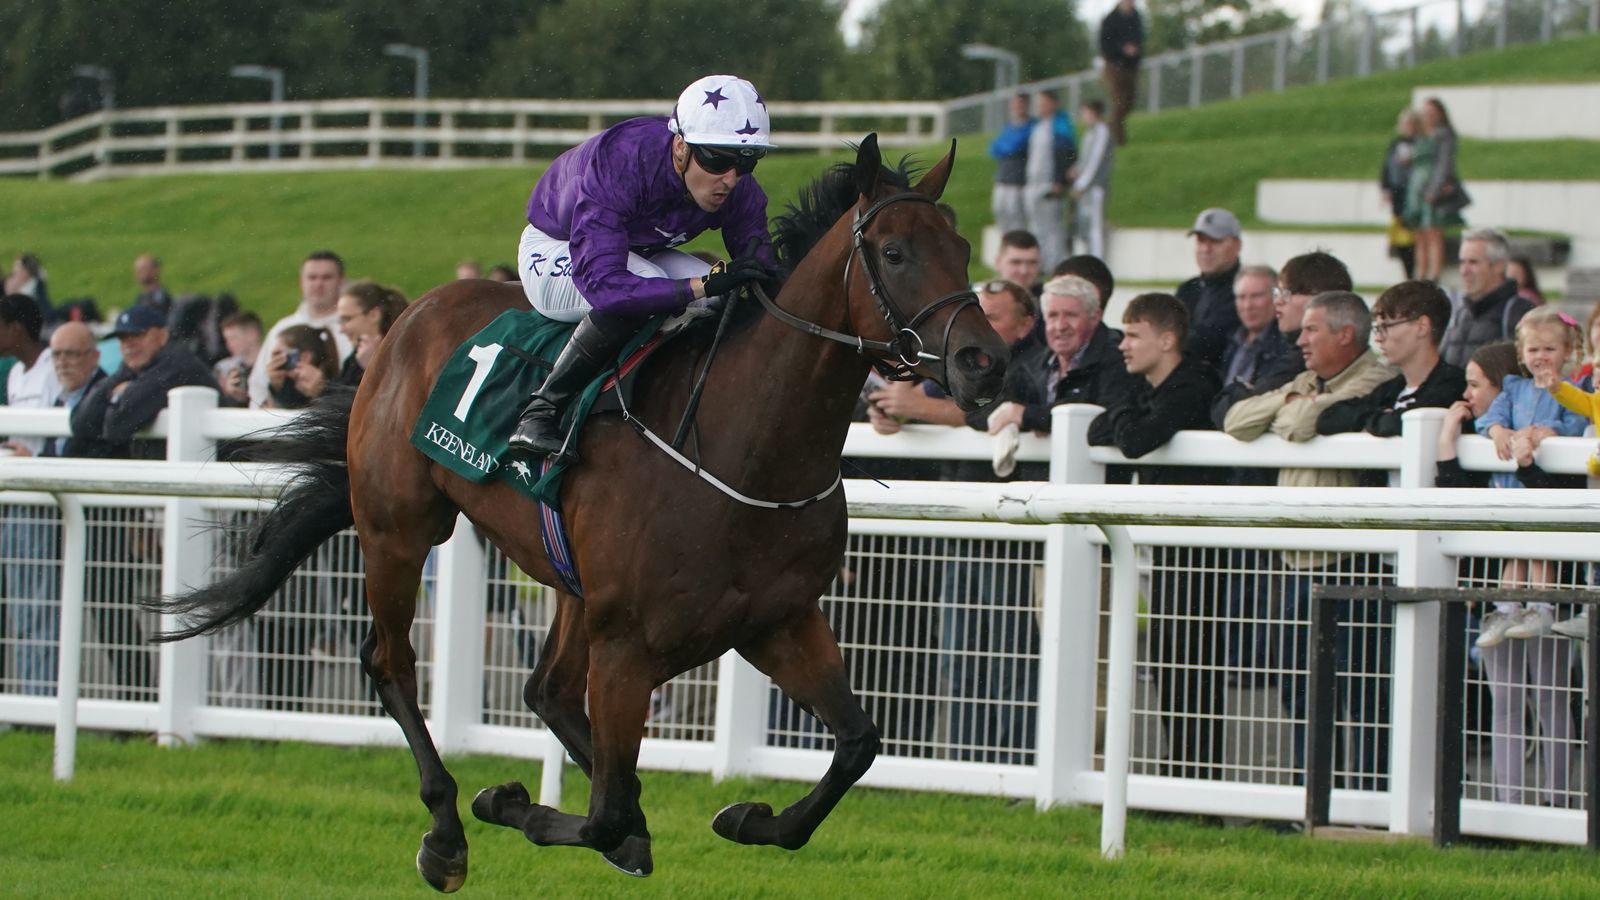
[[896, 357]]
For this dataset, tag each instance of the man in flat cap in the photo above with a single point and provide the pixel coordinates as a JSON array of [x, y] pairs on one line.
[[1209, 296]]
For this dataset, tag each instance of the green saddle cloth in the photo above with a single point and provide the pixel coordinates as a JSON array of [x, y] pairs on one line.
[[484, 387]]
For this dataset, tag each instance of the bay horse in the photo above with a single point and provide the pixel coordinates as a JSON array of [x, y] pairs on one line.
[[674, 573]]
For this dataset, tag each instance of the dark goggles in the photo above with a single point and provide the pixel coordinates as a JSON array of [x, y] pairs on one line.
[[717, 161]]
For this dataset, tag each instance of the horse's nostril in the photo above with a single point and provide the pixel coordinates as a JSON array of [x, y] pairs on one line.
[[981, 360]]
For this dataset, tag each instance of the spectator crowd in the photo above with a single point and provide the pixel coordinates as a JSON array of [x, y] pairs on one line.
[[1248, 347], [113, 379]]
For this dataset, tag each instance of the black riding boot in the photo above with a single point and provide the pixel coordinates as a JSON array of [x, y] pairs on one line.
[[594, 344]]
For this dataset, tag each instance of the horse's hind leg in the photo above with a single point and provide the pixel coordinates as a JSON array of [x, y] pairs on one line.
[[560, 681], [803, 659], [394, 572]]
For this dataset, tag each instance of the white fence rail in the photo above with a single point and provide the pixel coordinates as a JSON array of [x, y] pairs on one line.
[[369, 133], [1038, 624]]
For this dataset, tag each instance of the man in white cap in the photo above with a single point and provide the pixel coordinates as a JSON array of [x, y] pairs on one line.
[[1208, 297], [603, 220]]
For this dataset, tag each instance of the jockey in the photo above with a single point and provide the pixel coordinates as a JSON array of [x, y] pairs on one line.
[[603, 220]]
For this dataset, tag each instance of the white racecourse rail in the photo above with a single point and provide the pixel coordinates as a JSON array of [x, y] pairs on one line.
[[1420, 533]]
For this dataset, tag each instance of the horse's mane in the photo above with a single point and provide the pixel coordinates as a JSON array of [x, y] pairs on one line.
[[808, 218], [820, 205]]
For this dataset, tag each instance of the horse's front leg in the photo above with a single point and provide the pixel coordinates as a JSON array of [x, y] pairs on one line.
[[619, 697], [803, 659]]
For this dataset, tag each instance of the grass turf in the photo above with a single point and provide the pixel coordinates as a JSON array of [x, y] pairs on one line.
[[253, 819], [247, 233]]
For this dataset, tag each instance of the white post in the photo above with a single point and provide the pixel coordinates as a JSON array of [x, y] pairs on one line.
[[1119, 687], [74, 547], [458, 635], [185, 556], [1196, 77], [741, 715], [555, 756], [1069, 628], [1413, 708]]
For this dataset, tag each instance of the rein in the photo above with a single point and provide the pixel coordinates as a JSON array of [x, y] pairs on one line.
[[894, 358]]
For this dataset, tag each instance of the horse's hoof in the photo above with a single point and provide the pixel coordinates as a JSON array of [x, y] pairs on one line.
[[633, 857], [736, 822], [445, 874], [490, 804]]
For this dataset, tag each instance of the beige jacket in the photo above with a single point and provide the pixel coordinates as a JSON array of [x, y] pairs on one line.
[[1296, 420]]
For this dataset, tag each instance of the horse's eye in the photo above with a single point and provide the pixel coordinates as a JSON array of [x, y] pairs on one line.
[[894, 256]]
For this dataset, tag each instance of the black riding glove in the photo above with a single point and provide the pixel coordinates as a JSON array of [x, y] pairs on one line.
[[744, 270]]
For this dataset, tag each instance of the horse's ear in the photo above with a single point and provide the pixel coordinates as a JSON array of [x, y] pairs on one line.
[[869, 165], [932, 184]]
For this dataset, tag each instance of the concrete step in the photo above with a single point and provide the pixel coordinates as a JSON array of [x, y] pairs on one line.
[[1519, 112]]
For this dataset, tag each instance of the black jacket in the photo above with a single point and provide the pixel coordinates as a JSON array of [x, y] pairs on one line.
[[1379, 412], [1212, 316], [105, 424], [1119, 28], [1149, 418], [1098, 378], [1280, 360], [1490, 318]]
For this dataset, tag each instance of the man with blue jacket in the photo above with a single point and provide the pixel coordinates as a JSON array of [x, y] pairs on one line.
[[1010, 152], [1052, 149]]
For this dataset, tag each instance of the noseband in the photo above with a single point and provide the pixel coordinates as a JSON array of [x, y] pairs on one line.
[[896, 357]]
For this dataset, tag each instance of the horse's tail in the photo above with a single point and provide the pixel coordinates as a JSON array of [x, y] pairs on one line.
[[314, 506]]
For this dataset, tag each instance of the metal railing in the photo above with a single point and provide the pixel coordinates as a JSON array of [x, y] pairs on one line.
[[976, 641], [1291, 57]]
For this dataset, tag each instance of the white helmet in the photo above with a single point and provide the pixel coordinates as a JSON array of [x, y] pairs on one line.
[[722, 111]]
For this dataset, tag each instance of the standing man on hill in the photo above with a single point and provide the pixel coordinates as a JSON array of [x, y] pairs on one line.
[[1010, 152], [1052, 149], [321, 277], [1122, 48], [147, 272], [1091, 179]]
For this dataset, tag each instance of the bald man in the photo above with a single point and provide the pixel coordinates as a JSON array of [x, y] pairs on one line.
[[147, 272], [77, 362]]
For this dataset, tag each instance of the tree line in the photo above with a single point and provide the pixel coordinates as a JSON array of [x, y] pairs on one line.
[[162, 52]]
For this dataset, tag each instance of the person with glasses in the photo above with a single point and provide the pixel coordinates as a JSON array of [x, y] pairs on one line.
[[1408, 322], [604, 220], [1280, 358]]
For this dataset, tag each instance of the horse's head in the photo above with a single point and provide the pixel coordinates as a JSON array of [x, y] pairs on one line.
[[909, 277]]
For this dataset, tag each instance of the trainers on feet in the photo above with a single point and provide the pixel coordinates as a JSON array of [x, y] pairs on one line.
[[1494, 628], [1531, 623], [1576, 627]]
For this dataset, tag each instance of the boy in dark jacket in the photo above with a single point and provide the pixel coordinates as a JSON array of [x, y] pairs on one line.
[[1408, 322], [1188, 639]]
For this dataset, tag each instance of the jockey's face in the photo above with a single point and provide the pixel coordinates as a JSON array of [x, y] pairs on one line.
[[708, 191]]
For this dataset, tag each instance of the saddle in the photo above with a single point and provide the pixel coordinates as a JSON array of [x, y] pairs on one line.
[[475, 400]]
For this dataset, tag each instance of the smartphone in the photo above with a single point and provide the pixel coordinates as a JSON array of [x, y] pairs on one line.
[[291, 359]]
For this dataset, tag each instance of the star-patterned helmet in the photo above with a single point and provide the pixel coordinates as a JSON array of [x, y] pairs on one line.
[[722, 111]]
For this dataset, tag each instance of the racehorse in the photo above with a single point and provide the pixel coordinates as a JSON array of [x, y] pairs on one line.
[[674, 573]]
